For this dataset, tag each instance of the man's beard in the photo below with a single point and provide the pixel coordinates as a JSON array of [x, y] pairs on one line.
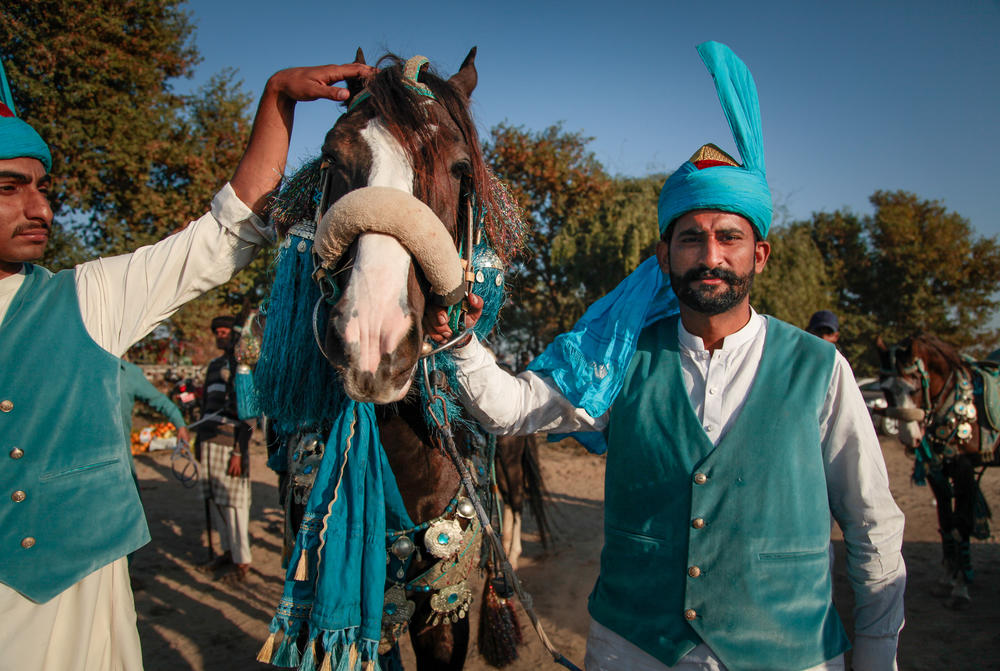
[[706, 299]]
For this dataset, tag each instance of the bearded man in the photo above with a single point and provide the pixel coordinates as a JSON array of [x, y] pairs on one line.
[[74, 511], [732, 439]]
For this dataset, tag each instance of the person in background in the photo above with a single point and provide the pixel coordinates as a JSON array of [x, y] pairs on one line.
[[223, 449], [824, 324]]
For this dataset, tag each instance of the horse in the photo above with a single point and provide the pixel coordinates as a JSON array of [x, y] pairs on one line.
[[947, 410], [400, 189], [519, 481]]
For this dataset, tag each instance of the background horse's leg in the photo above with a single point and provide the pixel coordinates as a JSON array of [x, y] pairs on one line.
[[941, 487], [510, 482]]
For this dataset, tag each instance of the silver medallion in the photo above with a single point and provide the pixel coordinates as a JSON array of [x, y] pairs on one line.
[[443, 538]]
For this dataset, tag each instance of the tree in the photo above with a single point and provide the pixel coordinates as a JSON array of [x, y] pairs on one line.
[[911, 266], [132, 159], [588, 230]]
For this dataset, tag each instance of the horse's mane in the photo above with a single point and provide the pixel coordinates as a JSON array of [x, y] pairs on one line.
[[404, 117], [945, 350]]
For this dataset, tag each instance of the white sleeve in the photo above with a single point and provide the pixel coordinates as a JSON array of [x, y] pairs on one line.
[[515, 405], [872, 523], [122, 298]]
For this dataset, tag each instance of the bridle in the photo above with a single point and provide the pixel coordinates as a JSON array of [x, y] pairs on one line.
[[941, 424], [330, 282]]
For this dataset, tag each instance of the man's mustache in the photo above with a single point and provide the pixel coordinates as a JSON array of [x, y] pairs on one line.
[[32, 226], [704, 273]]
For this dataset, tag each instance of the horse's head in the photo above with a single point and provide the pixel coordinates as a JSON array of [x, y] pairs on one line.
[[913, 373], [402, 170]]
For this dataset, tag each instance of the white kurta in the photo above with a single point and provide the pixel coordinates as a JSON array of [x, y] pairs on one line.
[[91, 625], [718, 384]]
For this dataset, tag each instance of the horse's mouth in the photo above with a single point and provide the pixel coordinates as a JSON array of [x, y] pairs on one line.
[[367, 387]]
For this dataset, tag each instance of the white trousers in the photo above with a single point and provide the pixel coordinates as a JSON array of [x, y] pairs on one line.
[[607, 651], [90, 626], [233, 525]]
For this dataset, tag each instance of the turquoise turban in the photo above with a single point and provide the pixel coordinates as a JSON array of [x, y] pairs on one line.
[[738, 189], [17, 138]]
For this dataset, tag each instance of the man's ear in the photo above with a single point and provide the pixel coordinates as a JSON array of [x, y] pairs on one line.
[[761, 253], [663, 256]]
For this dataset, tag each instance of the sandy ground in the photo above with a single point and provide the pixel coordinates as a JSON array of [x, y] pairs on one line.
[[187, 621]]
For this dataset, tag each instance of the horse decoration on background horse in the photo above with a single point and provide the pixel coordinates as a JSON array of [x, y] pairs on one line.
[[949, 411], [398, 211]]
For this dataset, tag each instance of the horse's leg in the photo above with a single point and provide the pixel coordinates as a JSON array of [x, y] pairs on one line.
[[512, 534], [440, 648], [963, 477], [941, 487]]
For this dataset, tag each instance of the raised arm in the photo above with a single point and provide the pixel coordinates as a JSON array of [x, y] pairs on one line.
[[263, 162], [123, 298]]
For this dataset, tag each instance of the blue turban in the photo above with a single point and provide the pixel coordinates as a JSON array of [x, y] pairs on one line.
[[742, 189], [17, 138]]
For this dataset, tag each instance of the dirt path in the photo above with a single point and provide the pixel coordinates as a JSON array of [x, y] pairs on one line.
[[187, 621]]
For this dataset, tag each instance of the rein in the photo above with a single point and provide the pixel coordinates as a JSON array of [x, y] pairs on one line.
[[448, 444]]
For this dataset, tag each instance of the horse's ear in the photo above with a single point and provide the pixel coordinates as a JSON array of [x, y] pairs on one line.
[[880, 344], [355, 84], [466, 77]]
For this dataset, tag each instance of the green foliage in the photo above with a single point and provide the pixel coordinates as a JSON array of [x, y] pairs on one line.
[[588, 230], [794, 284], [910, 266], [133, 160]]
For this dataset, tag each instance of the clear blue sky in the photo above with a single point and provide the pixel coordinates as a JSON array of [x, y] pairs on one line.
[[855, 96]]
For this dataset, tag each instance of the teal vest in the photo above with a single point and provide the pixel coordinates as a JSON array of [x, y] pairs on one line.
[[724, 544], [62, 448]]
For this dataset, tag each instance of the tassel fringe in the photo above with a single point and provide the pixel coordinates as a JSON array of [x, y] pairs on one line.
[[266, 650], [302, 567]]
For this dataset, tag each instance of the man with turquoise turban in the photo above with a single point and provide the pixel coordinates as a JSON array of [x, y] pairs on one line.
[[73, 512], [732, 439]]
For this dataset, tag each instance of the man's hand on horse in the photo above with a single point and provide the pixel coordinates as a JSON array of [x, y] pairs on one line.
[[314, 82], [436, 319]]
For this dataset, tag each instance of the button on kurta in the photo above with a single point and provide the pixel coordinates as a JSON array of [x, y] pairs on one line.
[[700, 478], [27, 542], [17, 496], [698, 523], [694, 571], [16, 453], [6, 405], [690, 614]]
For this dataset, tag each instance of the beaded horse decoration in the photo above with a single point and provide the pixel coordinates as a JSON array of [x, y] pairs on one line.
[[398, 211]]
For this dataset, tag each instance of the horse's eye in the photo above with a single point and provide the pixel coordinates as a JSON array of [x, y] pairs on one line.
[[461, 169]]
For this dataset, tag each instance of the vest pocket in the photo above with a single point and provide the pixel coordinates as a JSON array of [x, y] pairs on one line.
[[791, 556], [97, 465]]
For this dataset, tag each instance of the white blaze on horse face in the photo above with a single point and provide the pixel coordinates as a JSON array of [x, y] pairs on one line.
[[377, 290], [910, 433]]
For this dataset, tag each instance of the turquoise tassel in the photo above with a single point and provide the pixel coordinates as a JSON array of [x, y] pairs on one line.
[[247, 403]]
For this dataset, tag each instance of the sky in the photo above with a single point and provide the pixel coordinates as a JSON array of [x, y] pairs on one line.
[[855, 96]]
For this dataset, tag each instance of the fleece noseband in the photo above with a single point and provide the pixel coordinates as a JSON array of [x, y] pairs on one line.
[[381, 209]]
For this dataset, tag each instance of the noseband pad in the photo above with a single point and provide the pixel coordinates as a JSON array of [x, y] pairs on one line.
[[382, 209]]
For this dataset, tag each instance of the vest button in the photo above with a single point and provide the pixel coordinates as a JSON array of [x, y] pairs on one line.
[[27, 542], [6, 406], [690, 614], [694, 571], [18, 496], [16, 453], [700, 478], [698, 523]]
